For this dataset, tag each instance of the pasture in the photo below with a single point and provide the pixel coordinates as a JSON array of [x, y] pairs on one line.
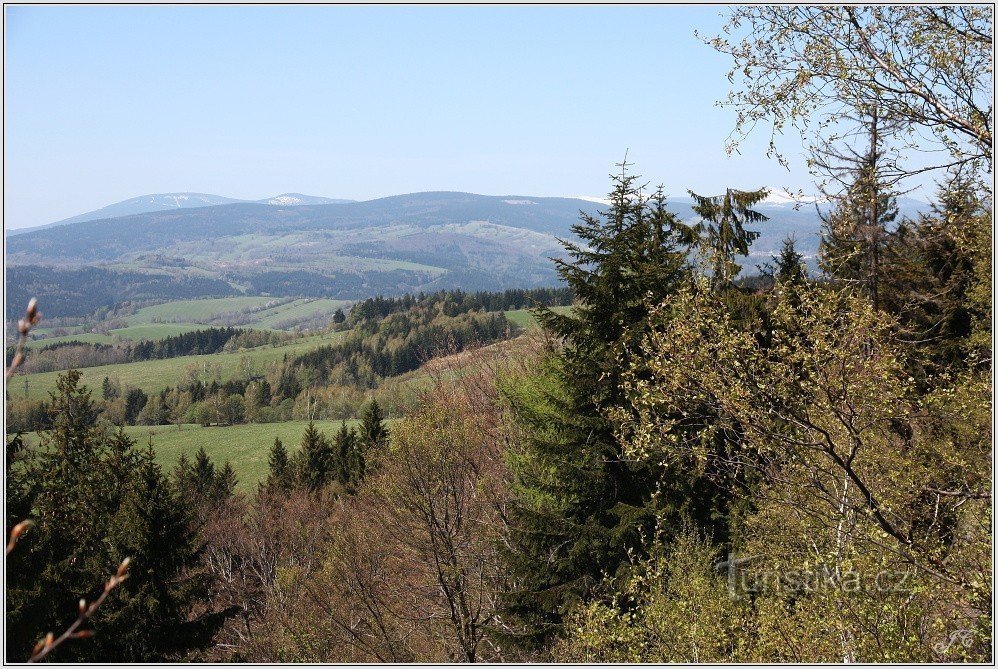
[[155, 375]]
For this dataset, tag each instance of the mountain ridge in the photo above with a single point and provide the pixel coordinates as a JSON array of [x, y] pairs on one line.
[[153, 202], [387, 246]]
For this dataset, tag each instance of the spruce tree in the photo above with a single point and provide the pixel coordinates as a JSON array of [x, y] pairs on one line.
[[347, 458], [722, 231], [203, 476], [857, 229], [280, 474], [183, 477], [372, 425], [790, 267], [578, 506], [930, 266], [96, 500], [156, 529], [225, 483], [314, 460]]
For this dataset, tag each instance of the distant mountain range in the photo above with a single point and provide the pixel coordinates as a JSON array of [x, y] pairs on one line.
[[318, 247], [166, 201]]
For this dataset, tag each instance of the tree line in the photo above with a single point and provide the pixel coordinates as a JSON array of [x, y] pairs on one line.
[[458, 302]]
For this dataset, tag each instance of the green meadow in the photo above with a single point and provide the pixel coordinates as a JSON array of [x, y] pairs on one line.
[[245, 446], [155, 375], [525, 320]]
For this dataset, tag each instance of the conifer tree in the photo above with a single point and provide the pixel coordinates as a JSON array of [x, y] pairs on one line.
[[156, 529], [578, 506], [96, 500], [372, 425], [108, 391], [790, 267], [183, 477], [347, 458], [314, 460], [279, 476], [856, 231], [722, 231], [203, 476], [225, 483], [931, 266]]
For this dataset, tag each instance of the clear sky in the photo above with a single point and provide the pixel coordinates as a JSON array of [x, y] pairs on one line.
[[107, 103]]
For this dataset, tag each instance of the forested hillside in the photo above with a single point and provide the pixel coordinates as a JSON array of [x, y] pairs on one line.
[[354, 250], [682, 462]]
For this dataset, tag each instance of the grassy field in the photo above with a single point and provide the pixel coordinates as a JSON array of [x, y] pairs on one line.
[[154, 375], [296, 310], [154, 331], [190, 311], [205, 311], [525, 320], [245, 446], [86, 337]]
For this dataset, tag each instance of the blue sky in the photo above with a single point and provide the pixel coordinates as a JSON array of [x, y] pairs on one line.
[[106, 103]]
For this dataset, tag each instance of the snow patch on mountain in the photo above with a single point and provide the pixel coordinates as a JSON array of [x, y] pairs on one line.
[[285, 200], [782, 198], [590, 198]]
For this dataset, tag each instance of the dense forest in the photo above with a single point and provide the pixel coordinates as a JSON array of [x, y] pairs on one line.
[[81, 291], [684, 467]]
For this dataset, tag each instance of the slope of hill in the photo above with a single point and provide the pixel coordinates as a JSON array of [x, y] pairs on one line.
[[168, 201]]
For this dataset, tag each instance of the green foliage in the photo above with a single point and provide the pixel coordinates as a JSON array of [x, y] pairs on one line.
[[281, 475], [578, 506], [154, 527], [373, 431], [201, 484], [314, 462], [348, 457], [95, 500], [859, 474], [722, 233], [674, 606], [855, 233], [790, 267], [938, 283]]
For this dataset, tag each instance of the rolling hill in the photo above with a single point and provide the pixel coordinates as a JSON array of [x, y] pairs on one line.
[[166, 201], [292, 246]]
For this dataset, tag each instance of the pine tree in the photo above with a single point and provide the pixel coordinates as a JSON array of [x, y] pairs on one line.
[[578, 506], [722, 231], [339, 316]]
